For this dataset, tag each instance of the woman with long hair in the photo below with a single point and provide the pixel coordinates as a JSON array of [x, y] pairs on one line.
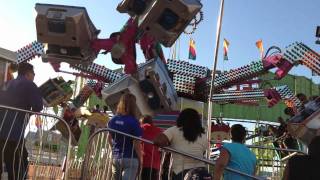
[[126, 152], [187, 136]]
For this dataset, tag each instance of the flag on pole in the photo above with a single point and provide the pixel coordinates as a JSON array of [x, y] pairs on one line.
[[192, 50], [225, 49], [259, 45]]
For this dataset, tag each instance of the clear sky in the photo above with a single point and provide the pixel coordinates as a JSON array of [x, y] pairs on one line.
[[276, 22]]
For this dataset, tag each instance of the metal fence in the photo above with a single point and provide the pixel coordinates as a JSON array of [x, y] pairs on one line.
[[271, 161], [42, 152], [31, 145], [101, 163]]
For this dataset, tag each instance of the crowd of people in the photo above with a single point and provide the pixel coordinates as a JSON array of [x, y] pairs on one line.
[[132, 158], [188, 136]]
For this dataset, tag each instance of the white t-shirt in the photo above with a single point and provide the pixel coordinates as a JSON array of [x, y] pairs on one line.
[[178, 142]]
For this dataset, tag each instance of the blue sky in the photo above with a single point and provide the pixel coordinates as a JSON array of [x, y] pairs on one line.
[[245, 21]]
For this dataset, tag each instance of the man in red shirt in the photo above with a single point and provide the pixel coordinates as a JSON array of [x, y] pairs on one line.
[[151, 157]]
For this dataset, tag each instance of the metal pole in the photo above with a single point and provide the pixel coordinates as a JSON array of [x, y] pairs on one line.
[[270, 148], [52, 116], [210, 106]]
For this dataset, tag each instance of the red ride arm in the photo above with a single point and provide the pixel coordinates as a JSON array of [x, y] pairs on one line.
[[105, 44]]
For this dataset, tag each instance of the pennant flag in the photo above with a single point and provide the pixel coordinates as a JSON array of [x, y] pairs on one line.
[[192, 50], [225, 49], [260, 47]]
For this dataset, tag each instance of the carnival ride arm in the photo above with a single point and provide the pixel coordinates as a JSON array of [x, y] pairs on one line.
[[273, 96], [151, 48], [254, 69], [121, 45], [221, 163], [293, 55]]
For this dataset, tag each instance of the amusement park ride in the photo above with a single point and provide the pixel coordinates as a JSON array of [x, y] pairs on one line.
[[70, 36]]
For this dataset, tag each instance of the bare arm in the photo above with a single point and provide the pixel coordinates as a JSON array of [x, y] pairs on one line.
[[161, 140], [221, 163], [138, 149]]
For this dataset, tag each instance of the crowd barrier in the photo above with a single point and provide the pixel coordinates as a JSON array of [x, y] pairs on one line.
[[271, 160], [98, 160], [40, 152], [51, 156]]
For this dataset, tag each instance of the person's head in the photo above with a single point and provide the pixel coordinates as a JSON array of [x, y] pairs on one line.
[[146, 119], [26, 70], [302, 97], [127, 105], [190, 123], [238, 133], [289, 111], [314, 148]]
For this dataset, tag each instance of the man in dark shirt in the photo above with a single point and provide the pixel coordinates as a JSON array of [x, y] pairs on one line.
[[305, 166], [20, 93]]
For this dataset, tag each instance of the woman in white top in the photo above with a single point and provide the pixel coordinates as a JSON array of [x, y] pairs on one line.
[[187, 136]]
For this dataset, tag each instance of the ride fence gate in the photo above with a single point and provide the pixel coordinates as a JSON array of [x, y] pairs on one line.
[[270, 165], [39, 152], [50, 154], [99, 161]]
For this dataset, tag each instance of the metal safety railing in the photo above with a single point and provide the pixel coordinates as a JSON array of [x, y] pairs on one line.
[[102, 162], [271, 160], [31, 146]]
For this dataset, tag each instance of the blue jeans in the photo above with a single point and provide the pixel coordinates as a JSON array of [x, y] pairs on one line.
[[125, 169]]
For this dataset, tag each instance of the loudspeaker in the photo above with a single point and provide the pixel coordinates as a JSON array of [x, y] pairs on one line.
[[68, 32], [167, 19], [152, 87]]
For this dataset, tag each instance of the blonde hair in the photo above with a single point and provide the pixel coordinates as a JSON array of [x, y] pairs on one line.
[[127, 105]]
